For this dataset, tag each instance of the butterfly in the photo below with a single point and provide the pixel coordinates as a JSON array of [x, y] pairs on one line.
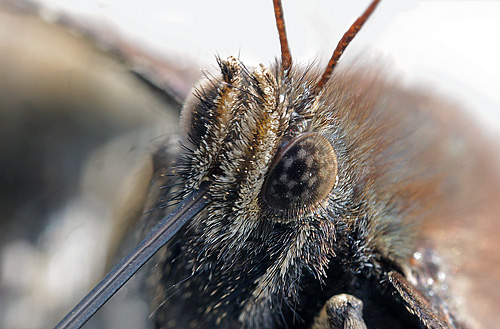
[[295, 142]]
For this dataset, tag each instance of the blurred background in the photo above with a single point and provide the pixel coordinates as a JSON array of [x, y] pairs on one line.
[[448, 43], [77, 117]]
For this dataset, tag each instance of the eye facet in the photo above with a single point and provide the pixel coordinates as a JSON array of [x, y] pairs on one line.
[[302, 174]]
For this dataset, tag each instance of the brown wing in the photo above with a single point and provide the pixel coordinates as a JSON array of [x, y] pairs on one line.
[[465, 232]]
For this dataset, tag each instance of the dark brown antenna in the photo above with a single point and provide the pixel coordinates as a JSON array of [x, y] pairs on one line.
[[286, 55], [342, 45]]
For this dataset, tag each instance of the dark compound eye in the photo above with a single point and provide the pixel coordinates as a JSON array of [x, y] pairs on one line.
[[302, 174]]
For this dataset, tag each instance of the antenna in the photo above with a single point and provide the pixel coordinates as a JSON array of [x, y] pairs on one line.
[[342, 45], [286, 55]]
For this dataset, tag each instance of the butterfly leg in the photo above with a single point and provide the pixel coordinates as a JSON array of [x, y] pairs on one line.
[[341, 312], [429, 316]]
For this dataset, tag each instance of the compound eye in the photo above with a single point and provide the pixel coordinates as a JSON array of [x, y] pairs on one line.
[[301, 175]]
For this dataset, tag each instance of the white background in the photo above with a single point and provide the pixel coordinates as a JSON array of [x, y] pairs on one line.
[[451, 46]]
